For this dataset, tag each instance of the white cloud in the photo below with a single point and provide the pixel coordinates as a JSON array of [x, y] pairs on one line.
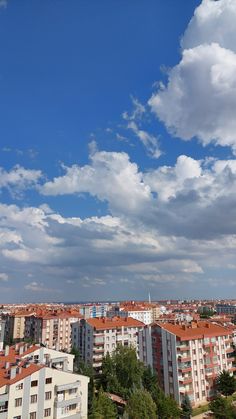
[[200, 97], [39, 287], [18, 179], [110, 176], [3, 277], [150, 142]]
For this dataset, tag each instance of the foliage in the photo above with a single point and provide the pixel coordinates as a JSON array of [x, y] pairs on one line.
[[225, 383], [103, 407], [121, 372], [207, 314], [222, 408], [141, 405], [186, 408], [167, 408]]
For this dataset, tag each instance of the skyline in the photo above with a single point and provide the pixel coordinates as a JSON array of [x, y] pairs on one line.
[[117, 161]]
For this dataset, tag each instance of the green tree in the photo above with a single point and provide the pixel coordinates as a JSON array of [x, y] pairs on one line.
[[186, 408], [121, 372], [222, 408], [167, 408], [225, 383], [141, 405], [103, 407]]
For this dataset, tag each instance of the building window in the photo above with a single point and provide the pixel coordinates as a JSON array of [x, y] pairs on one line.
[[18, 402], [48, 380], [33, 398], [72, 406], [47, 412], [19, 386], [73, 391], [34, 383], [17, 417], [33, 415], [48, 395]]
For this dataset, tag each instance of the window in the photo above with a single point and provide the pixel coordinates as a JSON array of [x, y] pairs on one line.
[[19, 386], [33, 415], [47, 412], [33, 398], [34, 383], [48, 380], [72, 406], [73, 391], [18, 402], [17, 417], [48, 395]]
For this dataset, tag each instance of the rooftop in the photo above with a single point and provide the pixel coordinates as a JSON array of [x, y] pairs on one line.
[[195, 330]]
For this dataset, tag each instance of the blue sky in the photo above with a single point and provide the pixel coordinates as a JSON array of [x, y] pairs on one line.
[[118, 148]]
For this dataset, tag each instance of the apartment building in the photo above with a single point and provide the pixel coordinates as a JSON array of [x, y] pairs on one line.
[[2, 332], [95, 337], [51, 329], [188, 358], [31, 387], [15, 326], [145, 345], [145, 313], [94, 310]]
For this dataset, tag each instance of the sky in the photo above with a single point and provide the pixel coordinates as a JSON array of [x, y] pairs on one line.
[[117, 149]]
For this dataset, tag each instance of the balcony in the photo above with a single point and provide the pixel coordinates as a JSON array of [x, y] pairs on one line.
[[66, 402], [185, 380], [183, 348]]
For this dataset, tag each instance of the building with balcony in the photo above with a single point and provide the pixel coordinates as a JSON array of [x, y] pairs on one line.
[[35, 383], [2, 331], [188, 358], [96, 337], [51, 329]]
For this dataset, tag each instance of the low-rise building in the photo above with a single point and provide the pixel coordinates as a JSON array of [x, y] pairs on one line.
[[188, 358], [31, 387]]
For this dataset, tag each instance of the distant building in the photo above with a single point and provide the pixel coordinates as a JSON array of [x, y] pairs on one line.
[[95, 337], [51, 329], [188, 358], [94, 310], [2, 331], [34, 384], [226, 309]]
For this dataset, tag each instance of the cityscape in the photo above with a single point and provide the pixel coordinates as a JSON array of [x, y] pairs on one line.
[[117, 209]]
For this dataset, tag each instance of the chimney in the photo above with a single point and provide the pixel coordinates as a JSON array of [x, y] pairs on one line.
[[16, 346], [6, 350], [21, 350], [7, 365], [12, 372]]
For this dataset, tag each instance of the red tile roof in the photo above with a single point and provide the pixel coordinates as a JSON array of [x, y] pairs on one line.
[[196, 330], [114, 322]]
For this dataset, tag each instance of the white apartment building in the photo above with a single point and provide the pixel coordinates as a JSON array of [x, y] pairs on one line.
[[188, 358], [145, 346], [95, 337], [141, 313], [2, 330], [31, 387]]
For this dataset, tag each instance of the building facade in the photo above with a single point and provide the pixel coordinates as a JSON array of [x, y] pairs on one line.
[[30, 388], [188, 358], [96, 337]]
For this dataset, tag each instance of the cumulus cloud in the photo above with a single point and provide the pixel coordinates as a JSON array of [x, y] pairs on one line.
[[199, 98], [110, 177]]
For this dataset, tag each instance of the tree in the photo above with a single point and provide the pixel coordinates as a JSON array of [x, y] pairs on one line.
[[225, 383], [103, 407], [121, 372], [141, 405], [167, 408], [186, 408], [222, 408]]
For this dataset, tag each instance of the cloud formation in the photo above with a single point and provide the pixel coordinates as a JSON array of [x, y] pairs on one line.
[[199, 99]]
